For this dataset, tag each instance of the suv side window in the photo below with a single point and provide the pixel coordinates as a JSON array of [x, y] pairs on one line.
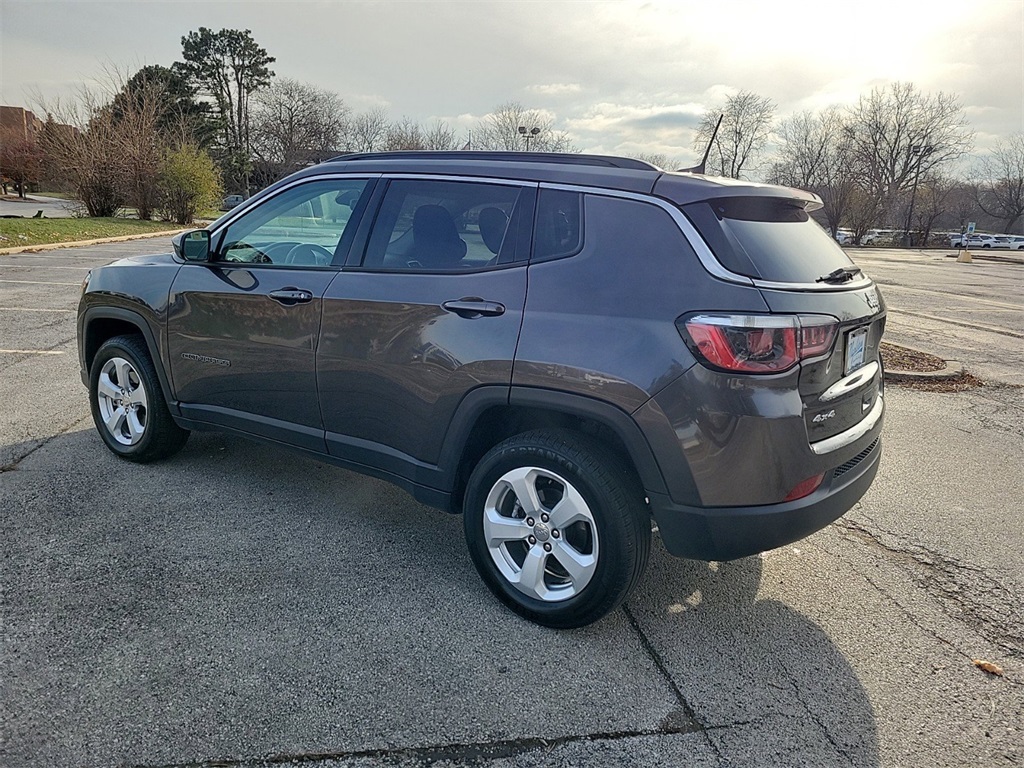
[[559, 227], [300, 227], [444, 226]]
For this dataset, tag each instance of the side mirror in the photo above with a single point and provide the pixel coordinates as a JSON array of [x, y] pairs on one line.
[[192, 246]]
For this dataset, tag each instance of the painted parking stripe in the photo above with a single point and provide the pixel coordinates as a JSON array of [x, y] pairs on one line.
[[32, 309], [39, 282], [31, 352], [43, 266]]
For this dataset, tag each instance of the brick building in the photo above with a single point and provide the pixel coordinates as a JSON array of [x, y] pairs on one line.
[[20, 120]]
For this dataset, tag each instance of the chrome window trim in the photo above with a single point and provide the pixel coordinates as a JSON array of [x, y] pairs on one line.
[[853, 434], [399, 175], [704, 253], [230, 217]]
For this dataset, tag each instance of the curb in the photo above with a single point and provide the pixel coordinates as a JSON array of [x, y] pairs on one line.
[[97, 241], [990, 257], [953, 369]]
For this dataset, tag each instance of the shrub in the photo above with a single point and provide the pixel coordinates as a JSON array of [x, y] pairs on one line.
[[189, 181]]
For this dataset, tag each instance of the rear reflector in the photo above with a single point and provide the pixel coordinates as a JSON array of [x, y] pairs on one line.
[[805, 488], [757, 343]]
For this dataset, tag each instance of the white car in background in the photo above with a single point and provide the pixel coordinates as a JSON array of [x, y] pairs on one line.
[[974, 241], [1016, 242]]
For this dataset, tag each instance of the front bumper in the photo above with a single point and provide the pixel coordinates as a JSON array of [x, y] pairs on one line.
[[727, 533]]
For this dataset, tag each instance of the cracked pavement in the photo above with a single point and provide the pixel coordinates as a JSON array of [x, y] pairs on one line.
[[241, 606]]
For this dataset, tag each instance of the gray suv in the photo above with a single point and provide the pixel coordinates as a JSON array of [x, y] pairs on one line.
[[558, 347]]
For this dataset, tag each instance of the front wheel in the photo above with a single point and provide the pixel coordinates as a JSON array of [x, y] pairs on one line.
[[557, 527], [128, 405]]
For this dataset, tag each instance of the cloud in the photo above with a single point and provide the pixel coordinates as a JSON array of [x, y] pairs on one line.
[[554, 89], [621, 117]]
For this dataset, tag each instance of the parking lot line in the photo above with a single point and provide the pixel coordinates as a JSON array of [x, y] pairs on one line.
[[38, 282], [42, 266], [31, 352], [32, 309]]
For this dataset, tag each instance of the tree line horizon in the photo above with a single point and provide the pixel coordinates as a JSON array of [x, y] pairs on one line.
[[232, 125]]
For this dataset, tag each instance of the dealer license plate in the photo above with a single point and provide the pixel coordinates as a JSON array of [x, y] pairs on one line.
[[856, 341]]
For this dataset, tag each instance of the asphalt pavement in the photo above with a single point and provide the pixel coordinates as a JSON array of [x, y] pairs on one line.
[[52, 207], [238, 605]]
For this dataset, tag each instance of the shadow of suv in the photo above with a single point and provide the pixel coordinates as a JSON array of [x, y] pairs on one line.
[[557, 347]]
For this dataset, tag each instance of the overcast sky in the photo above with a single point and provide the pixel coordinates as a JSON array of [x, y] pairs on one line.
[[620, 77]]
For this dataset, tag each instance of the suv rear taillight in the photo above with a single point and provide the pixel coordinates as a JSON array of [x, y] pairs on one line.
[[757, 343]]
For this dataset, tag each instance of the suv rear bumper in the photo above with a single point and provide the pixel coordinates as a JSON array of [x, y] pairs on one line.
[[728, 533]]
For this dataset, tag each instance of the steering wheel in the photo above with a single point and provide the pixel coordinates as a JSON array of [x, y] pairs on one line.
[[309, 254]]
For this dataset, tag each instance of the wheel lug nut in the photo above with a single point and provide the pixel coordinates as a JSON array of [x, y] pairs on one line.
[[547, 547], [532, 539], [555, 533], [544, 518], [529, 521]]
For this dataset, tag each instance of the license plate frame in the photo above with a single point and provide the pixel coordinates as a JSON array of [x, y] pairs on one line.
[[856, 345]]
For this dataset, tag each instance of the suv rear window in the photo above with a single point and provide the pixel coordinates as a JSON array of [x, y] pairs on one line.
[[766, 238]]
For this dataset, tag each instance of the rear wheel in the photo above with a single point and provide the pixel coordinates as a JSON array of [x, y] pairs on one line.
[[557, 527], [128, 405]]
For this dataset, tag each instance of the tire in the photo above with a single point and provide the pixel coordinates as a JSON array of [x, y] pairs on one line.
[[128, 405], [567, 577]]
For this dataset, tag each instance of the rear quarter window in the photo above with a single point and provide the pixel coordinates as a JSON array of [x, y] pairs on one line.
[[767, 238]]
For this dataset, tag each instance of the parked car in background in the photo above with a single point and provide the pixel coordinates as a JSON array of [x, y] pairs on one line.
[[844, 236], [601, 346], [1016, 242], [974, 241], [231, 201], [1001, 241]]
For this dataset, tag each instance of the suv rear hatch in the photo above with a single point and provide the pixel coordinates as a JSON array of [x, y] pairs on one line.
[[772, 243]]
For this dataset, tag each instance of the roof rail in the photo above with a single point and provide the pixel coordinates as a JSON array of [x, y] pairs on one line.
[[565, 158]]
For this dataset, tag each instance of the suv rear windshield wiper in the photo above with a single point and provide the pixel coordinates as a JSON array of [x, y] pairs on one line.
[[841, 275]]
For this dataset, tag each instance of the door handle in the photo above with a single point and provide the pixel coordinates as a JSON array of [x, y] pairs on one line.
[[289, 296], [472, 307]]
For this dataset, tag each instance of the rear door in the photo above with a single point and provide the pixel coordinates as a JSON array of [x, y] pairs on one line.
[[243, 328], [429, 311]]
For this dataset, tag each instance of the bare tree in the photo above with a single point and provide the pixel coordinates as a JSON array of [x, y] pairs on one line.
[[861, 212], [440, 136], [137, 124], [294, 124], [21, 159], [1001, 195], [368, 130], [500, 131], [404, 134], [814, 154], [804, 140], [933, 197], [898, 133], [657, 159], [745, 129], [82, 142]]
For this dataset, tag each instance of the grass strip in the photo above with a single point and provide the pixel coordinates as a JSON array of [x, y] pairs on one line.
[[18, 232]]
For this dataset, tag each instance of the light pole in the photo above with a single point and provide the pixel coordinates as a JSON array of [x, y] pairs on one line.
[[528, 134], [921, 151]]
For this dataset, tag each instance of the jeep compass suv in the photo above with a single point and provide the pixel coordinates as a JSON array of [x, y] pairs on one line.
[[557, 347]]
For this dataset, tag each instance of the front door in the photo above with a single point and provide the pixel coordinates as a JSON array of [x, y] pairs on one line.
[[430, 312], [244, 327]]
